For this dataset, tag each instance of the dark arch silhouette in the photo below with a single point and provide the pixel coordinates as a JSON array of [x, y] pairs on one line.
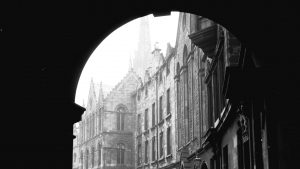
[[47, 51]]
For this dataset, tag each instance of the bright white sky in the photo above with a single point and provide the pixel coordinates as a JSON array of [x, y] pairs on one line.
[[109, 62]]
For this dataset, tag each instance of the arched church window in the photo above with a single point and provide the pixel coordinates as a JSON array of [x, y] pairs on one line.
[[99, 154], [81, 160], [86, 159], [120, 153], [92, 156], [121, 110]]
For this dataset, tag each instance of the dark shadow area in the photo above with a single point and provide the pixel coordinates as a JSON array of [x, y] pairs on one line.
[[46, 45]]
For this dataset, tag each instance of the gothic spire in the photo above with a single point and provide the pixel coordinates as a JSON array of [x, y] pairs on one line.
[[143, 52]]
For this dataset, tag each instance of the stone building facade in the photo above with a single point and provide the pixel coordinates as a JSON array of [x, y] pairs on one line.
[[106, 131], [220, 126], [193, 108], [156, 130], [76, 146]]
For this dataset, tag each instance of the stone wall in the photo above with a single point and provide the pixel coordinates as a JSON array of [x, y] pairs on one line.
[[146, 96]]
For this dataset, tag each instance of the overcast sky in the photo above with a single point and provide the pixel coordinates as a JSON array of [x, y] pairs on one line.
[[109, 62]]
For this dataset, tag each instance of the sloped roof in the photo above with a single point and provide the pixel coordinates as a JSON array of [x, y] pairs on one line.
[[129, 74]]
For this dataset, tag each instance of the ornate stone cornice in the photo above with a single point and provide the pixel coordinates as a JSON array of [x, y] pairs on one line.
[[206, 39]]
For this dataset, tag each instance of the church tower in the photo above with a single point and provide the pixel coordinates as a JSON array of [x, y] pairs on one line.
[[142, 56]]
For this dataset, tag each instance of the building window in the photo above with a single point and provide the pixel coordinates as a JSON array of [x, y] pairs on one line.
[[99, 154], [108, 155], [160, 76], [81, 159], [160, 108], [146, 119], [153, 114], [216, 96], [210, 104], [146, 151], [120, 153], [161, 144], [168, 101], [139, 124], [139, 157], [120, 118], [146, 91], [179, 120], [169, 144], [153, 148], [92, 156], [168, 68], [225, 157], [87, 159]]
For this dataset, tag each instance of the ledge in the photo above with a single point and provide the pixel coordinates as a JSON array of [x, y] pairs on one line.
[[161, 122], [153, 127], [161, 159], [146, 132], [146, 164], [168, 116], [118, 132], [169, 156], [153, 162]]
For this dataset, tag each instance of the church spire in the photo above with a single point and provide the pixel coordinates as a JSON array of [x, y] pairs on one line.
[[101, 96], [130, 64], [143, 53]]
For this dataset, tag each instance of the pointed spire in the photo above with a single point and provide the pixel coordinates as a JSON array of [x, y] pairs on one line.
[[143, 53], [100, 96], [130, 64], [91, 96]]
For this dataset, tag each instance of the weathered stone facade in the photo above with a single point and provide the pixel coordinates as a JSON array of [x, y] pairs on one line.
[[155, 136], [76, 163], [219, 125], [185, 110], [107, 127]]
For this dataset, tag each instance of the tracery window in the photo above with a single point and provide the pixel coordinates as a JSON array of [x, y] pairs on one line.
[[146, 151], [99, 154], [92, 156], [81, 160], [120, 153], [168, 102], [86, 159], [160, 108], [161, 144], [146, 120], [120, 117]]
